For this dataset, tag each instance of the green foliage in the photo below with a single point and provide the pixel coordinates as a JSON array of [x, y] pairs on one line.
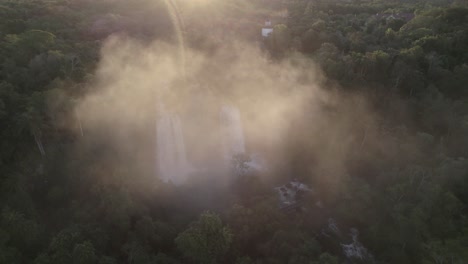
[[206, 240], [291, 247], [19, 232], [326, 258], [84, 253], [67, 197], [254, 225], [164, 259], [279, 40], [107, 260]]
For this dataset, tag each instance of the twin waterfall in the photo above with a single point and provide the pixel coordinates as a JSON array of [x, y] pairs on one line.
[[172, 162]]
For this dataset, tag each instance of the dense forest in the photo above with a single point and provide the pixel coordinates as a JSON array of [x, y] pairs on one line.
[[398, 195]]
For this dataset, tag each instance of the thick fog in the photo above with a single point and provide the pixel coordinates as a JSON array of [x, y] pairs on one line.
[[297, 124]]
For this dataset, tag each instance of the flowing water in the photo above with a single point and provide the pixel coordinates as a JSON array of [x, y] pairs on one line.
[[171, 153], [232, 132], [172, 162]]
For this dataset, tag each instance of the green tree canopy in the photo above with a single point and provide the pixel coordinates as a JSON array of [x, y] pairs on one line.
[[206, 240]]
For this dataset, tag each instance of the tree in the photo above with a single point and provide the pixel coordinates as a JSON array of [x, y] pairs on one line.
[[279, 40], [206, 240], [291, 246], [326, 258], [83, 253], [25, 45]]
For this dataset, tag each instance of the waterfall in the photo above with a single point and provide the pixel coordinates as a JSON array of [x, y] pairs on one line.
[[172, 161], [232, 133], [171, 155], [39, 144]]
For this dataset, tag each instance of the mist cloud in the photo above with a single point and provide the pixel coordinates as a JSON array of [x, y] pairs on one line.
[[290, 117]]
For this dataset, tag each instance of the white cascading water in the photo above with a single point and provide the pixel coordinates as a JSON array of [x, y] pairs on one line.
[[234, 144], [171, 154], [232, 132]]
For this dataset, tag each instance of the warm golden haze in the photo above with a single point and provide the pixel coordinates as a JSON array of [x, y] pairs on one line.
[[233, 131]]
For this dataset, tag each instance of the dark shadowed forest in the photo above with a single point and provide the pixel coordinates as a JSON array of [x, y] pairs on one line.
[[359, 110]]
